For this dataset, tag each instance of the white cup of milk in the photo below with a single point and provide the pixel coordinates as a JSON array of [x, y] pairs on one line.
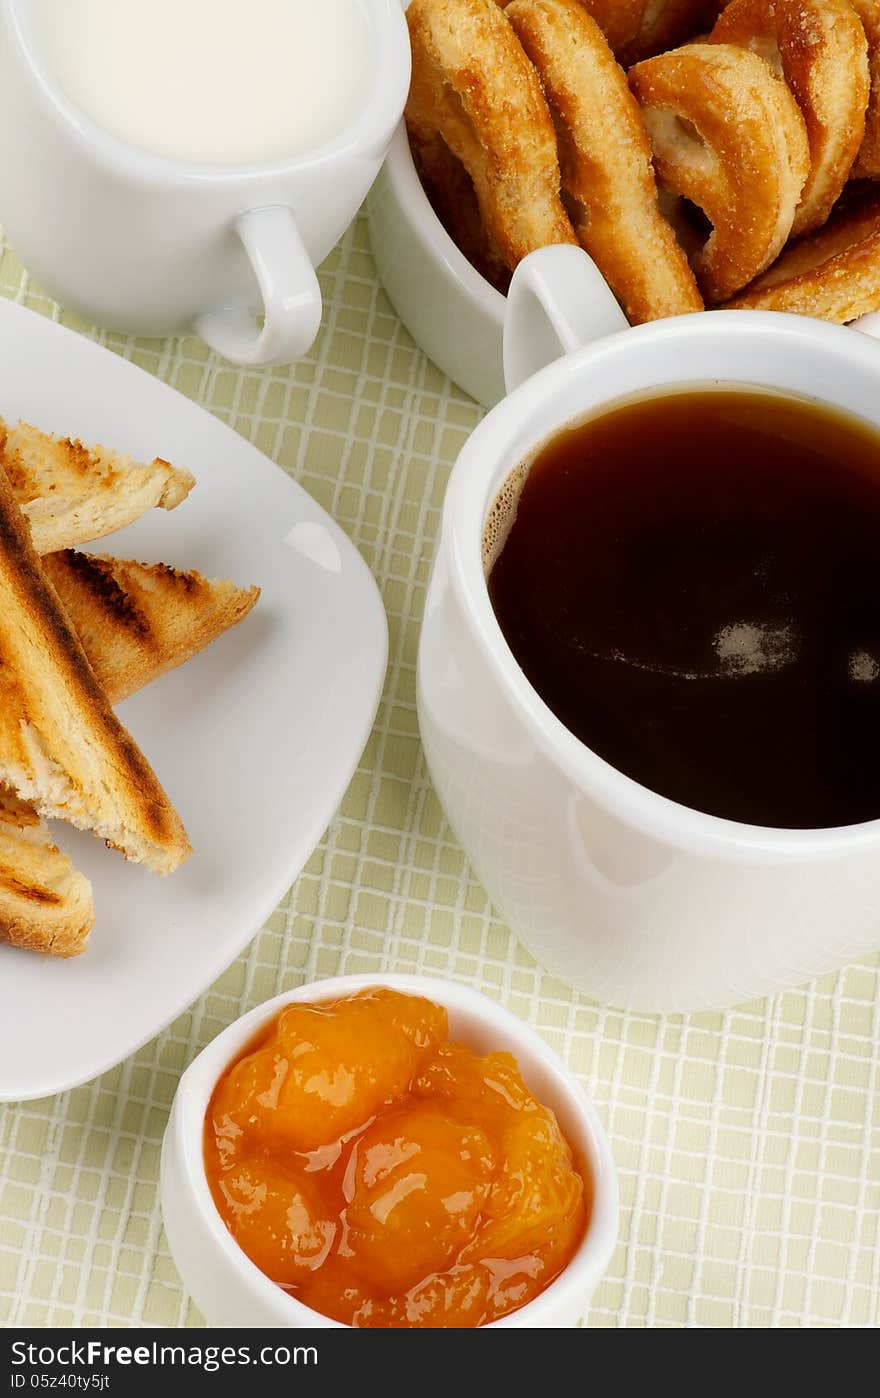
[[169, 166]]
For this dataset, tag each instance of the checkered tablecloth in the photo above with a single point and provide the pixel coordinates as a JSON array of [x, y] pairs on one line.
[[748, 1143]]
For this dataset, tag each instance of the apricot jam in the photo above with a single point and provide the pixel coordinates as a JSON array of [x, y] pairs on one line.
[[387, 1177]]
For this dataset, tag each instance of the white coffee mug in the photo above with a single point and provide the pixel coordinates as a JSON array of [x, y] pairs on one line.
[[149, 246], [635, 900]]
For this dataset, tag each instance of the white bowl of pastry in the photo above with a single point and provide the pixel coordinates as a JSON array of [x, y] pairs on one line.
[[449, 308]]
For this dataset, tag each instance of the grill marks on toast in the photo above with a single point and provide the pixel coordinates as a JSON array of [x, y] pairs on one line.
[[31, 893], [71, 493], [81, 574], [61, 746], [77, 634], [45, 905], [135, 621], [138, 620]]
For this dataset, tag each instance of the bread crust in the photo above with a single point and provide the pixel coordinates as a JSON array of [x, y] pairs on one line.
[[72, 494], [61, 745], [137, 621], [45, 904]]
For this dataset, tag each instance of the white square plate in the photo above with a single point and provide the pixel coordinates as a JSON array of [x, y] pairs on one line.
[[255, 740]]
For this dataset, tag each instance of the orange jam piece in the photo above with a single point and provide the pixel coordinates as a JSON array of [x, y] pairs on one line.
[[387, 1177], [278, 1219], [415, 1188], [325, 1069]]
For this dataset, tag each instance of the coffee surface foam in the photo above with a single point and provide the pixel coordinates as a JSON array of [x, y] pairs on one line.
[[502, 516]]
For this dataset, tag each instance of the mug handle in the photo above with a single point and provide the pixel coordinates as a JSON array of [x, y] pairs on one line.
[[291, 295], [558, 302]]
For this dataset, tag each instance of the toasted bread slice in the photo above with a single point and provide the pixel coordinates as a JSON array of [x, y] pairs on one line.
[[138, 620], [61, 746], [72, 494], [45, 905]]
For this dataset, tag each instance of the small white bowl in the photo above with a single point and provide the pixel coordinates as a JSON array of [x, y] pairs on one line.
[[449, 309], [231, 1291]]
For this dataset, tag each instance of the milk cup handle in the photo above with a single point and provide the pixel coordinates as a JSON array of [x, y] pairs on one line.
[[558, 302], [290, 291]]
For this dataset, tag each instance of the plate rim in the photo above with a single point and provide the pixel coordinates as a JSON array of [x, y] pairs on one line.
[[324, 810]]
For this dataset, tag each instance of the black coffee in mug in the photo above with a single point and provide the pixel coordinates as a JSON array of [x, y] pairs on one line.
[[692, 584]]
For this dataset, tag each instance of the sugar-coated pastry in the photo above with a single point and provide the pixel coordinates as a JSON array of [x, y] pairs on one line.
[[729, 137], [473, 85], [819, 47], [605, 157], [833, 274]]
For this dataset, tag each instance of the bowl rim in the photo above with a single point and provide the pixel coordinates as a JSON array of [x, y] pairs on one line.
[[584, 1130], [408, 190]]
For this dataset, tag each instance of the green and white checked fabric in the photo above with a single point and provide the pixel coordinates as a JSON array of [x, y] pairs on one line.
[[748, 1143]]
